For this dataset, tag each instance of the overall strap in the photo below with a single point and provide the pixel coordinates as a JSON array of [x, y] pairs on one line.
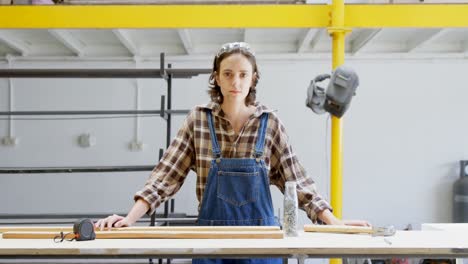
[[214, 142], [259, 145]]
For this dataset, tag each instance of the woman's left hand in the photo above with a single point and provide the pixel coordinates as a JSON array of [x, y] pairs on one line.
[[327, 217], [337, 221], [356, 223]]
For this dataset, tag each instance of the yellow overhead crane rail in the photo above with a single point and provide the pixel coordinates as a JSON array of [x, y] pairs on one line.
[[230, 16]]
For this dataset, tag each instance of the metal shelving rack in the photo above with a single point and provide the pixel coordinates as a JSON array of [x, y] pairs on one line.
[[165, 112]]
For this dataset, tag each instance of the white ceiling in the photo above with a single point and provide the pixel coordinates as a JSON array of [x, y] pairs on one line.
[[286, 43]]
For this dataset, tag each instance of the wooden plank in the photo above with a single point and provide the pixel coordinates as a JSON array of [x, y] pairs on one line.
[[418, 244], [156, 234], [4, 229], [338, 229]]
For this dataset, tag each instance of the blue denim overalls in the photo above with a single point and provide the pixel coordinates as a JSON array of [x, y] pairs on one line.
[[237, 193]]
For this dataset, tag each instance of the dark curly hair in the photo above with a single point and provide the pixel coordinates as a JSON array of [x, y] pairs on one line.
[[215, 90]]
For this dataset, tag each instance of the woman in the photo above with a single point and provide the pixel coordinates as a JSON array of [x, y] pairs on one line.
[[237, 147]]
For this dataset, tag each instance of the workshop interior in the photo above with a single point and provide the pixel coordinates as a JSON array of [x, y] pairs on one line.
[[372, 95]]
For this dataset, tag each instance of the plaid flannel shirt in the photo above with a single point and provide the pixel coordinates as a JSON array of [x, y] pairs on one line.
[[191, 150]]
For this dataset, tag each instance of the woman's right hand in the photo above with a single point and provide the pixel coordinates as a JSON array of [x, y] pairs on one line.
[[112, 221], [138, 209]]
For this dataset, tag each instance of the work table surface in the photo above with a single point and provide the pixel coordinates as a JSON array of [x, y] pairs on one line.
[[430, 243]]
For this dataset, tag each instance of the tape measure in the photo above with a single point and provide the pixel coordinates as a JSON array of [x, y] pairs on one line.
[[84, 230]]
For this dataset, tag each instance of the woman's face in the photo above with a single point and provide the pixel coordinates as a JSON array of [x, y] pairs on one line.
[[235, 77]]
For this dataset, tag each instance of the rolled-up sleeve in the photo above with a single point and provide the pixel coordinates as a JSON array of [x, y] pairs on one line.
[[170, 173], [286, 167]]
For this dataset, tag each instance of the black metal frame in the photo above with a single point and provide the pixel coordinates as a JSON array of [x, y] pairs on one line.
[[105, 112], [102, 73], [165, 73]]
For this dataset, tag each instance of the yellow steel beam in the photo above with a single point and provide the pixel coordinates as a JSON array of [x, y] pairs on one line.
[[419, 15], [164, 16], [231, 16]]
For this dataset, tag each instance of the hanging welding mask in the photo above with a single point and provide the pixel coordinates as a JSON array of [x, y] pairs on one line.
[[337, 97]]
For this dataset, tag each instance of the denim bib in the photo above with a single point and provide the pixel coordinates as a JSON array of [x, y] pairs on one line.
[[237, 193]]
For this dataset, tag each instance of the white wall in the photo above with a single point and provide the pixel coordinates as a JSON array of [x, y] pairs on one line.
[[403, 137]]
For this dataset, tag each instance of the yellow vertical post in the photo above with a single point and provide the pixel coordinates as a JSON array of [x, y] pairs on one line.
[[337, 136], [337, 32]]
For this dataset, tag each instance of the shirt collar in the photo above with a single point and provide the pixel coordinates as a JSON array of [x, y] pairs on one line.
[[217, 111]]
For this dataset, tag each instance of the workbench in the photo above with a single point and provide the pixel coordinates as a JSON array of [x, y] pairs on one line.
[[424, 244]]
